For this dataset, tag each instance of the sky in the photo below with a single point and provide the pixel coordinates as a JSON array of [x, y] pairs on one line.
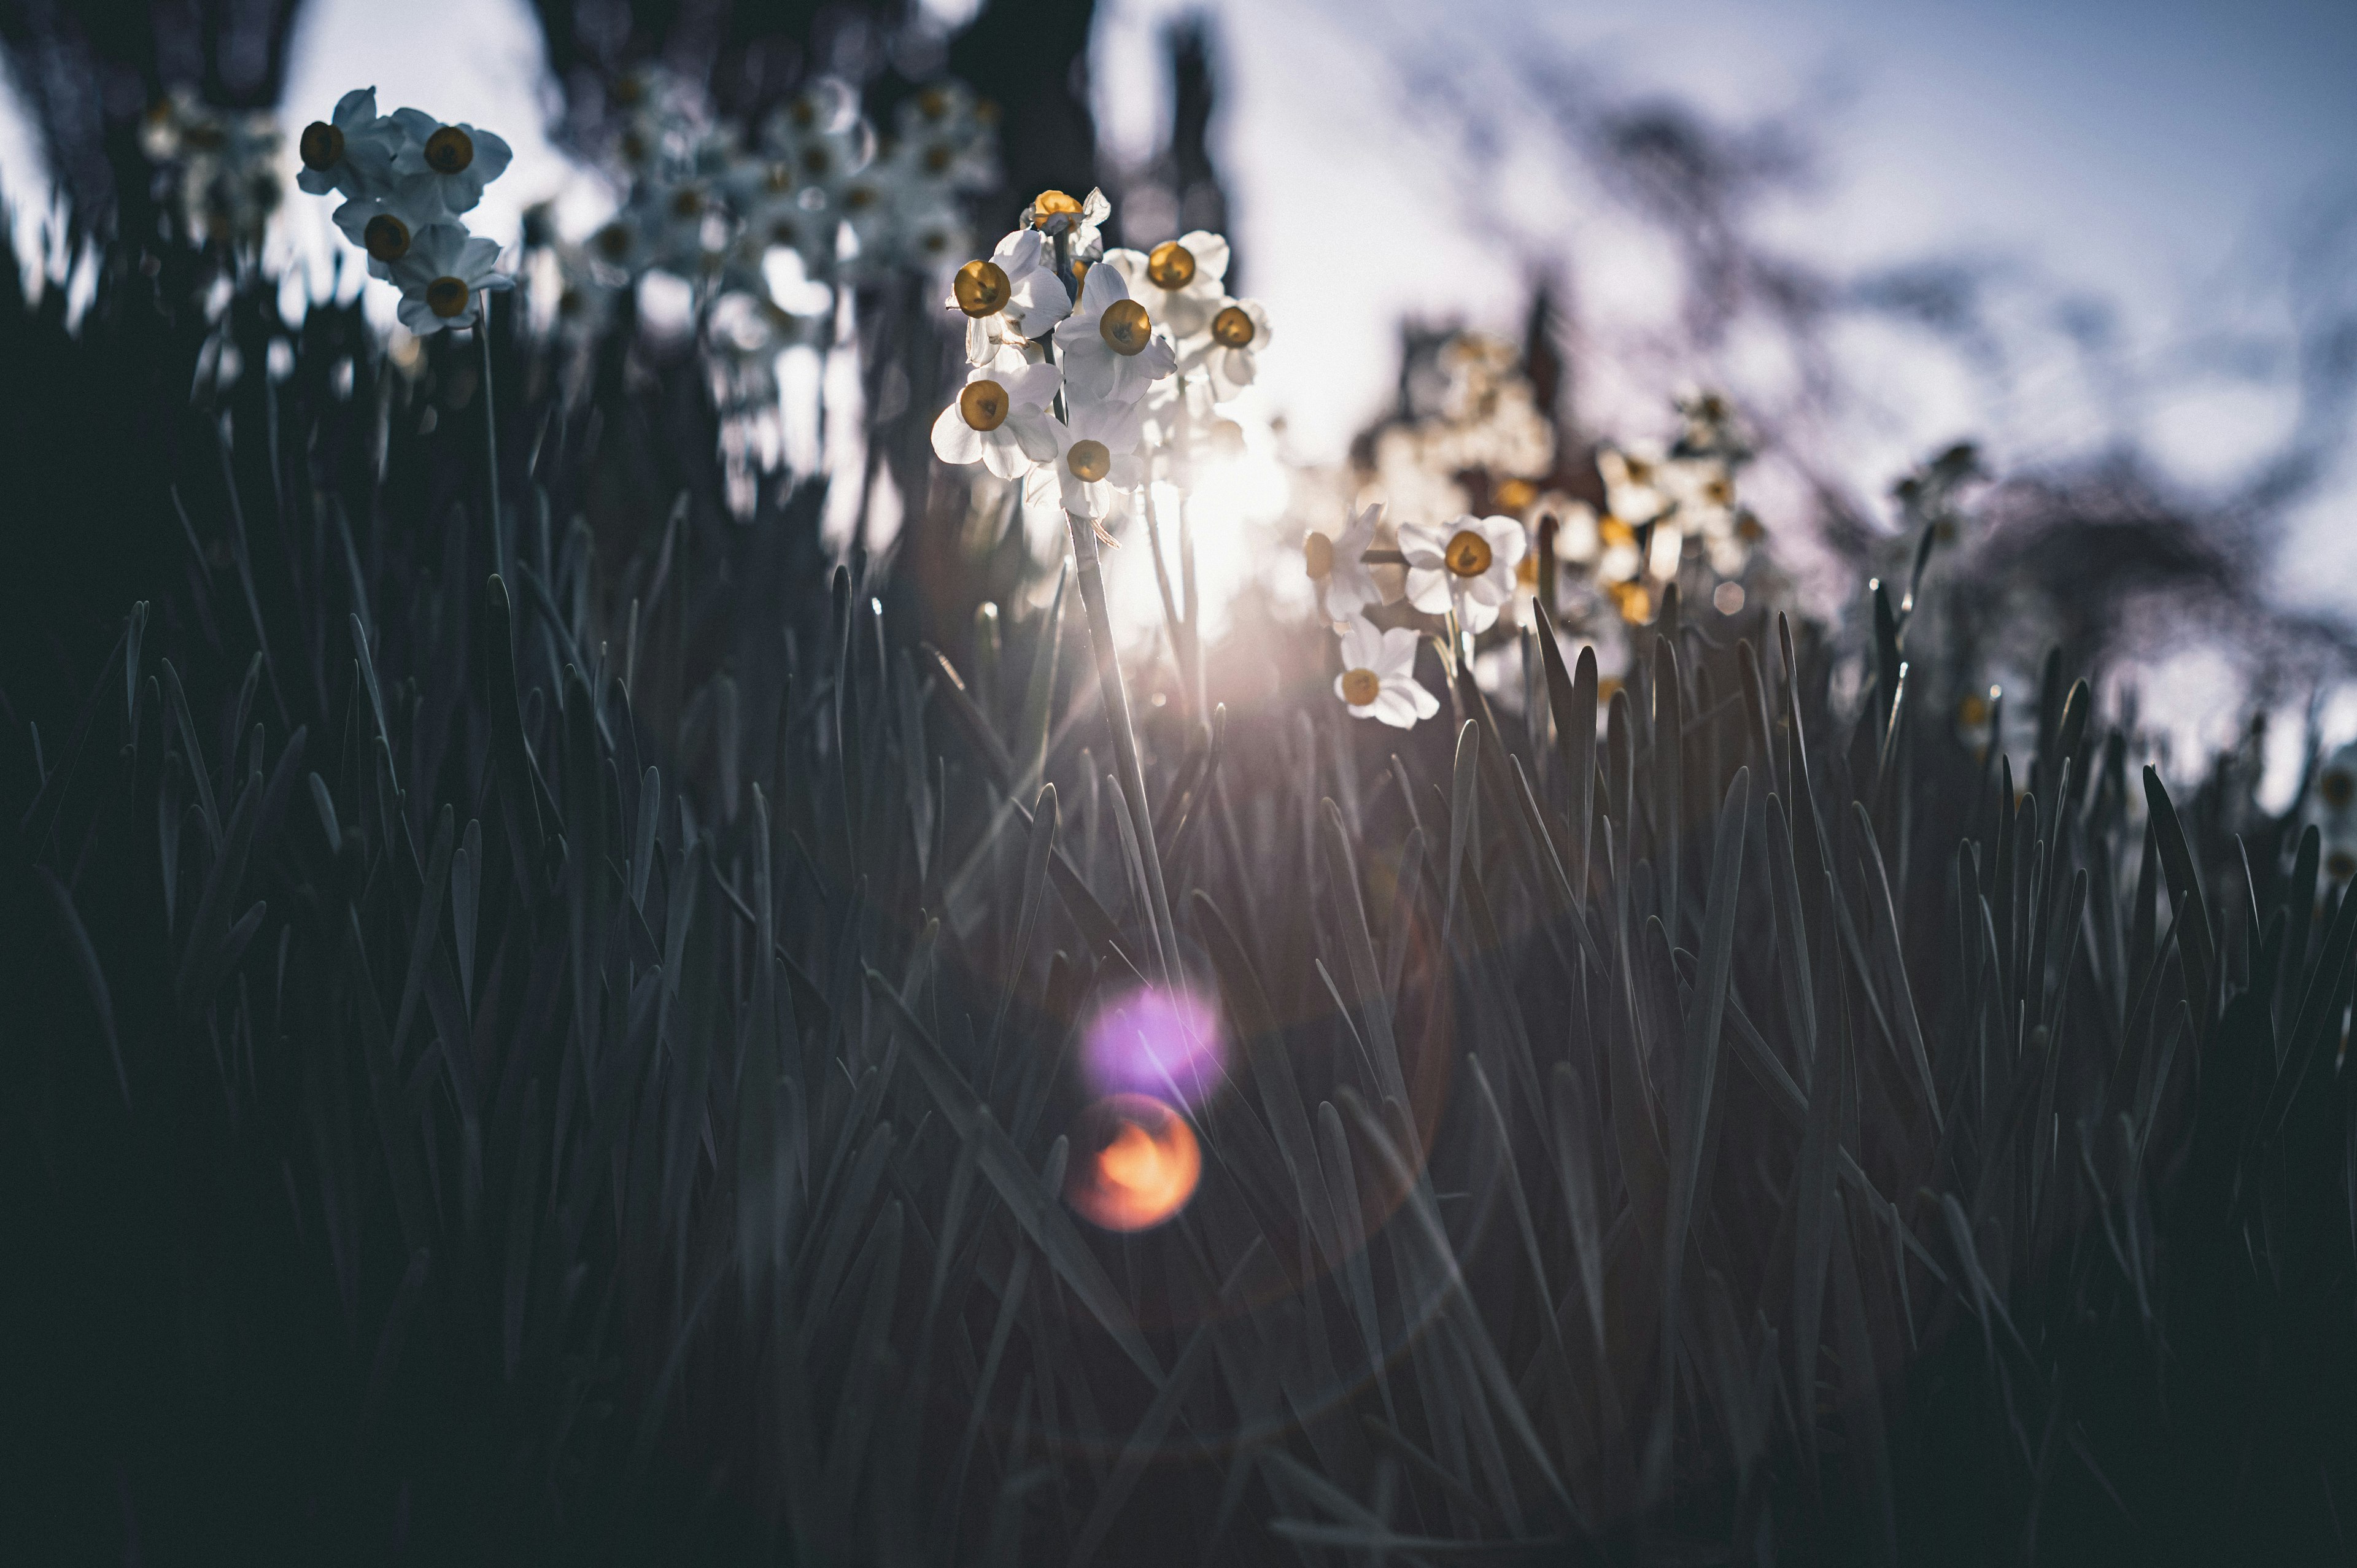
[[2149, 159]]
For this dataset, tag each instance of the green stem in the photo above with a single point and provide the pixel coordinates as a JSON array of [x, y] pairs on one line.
[[492, 439], [1132, 774]]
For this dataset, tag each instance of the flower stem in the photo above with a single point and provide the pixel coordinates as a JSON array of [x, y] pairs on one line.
[[1132, 774], [491, 441]]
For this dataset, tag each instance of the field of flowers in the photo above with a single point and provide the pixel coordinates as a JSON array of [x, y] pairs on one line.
[[574, 999]]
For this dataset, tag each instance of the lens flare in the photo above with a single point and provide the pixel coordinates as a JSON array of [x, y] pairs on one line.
[[1134, 1162], [1160, 1042]]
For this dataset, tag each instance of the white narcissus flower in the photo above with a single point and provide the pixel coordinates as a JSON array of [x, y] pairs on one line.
[[1181, 281], [1703, 492], [1468, 562], [1378, 679], [1096, 456], [1083, 220], [1339, 568], [351, 150], [1107, 346], [1001, 418], [458, 160], [386, 222], [1013, 297], [1633, 477], [1229, 349], [440, 277]]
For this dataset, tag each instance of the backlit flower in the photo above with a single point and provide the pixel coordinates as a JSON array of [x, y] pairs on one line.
[[1012, 298], [351, 151], [1096, 456], [1467, 562], [1053, 211], [445, 269], [1378, 679], [1337, 564], [1108, 346], [386, 223], [457, 161], [1230, 347], [1181, 281], [1000, 417]]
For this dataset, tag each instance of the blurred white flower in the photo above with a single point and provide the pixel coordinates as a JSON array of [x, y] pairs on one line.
[[1632, 482], [1001, 418], [1181, 281], [1467, 562], [1108, 346], [1096, 456], [351, 150], [457, 161], [1378, 679], [440, 277], [1338, 568], [948, 137]]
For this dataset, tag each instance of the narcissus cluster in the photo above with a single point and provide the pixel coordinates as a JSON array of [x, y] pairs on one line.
[[1099, 370], [408, 179]]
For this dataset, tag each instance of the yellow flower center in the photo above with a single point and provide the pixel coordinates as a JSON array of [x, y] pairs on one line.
[[1125, 326], [1089, 461], [939, 157], [1639, 471], [1634, 602], [615, 239], [778, 178], [1318, 554], [386, 237], [1974, 711], [1054, 203], [1719, 493], [815, 162], [859, 199], [449, 150], [1361, 687], [447, 297], [322, 145], [980, 288], [1516, 494], [1468, 553], [1747, 528], [1233, 329], [1172, 265], [983, 404], [933, 102], [1526, 571], [1079, 276], [783, 232], [687, 201], [804, 112], [2337, 788], [1614, 531], [2341, 866]]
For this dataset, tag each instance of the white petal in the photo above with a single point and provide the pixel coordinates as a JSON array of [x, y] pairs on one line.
[[1362, 646], [1508, 538], [1424, 544], [1211, 254], [1397, 656], [1477, 617], [955, 441], [1001, 454], [1427, 588], [1395, 707]]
